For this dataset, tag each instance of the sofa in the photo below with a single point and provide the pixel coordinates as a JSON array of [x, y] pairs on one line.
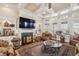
[[5, 48], [67, 50]]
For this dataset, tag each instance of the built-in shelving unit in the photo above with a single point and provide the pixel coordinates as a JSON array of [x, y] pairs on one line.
[[7, 26]]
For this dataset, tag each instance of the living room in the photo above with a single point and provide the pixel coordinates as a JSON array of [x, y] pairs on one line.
[[43, 29]]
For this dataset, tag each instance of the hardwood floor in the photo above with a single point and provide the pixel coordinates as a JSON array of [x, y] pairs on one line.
[[34, 49], [30, 49]]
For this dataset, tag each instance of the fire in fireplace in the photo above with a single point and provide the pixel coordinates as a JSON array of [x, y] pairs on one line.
[[27, 37]]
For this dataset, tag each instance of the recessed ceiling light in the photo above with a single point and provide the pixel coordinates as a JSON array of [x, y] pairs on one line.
[[66, 16], [44, 12], [72, 15], [6, 5]]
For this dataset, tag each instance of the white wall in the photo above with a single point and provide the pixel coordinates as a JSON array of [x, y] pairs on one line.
[[27, 14], [13, 16], [9, 14]]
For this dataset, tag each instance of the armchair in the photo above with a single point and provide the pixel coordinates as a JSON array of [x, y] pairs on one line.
[[46, 35]]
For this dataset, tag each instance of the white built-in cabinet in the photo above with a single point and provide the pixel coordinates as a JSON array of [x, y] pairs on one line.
[[11, 20]]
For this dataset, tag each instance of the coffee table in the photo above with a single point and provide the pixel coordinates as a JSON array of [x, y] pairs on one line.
[[55, 48]]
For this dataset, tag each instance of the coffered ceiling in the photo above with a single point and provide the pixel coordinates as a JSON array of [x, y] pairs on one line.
[[55, 6], [41, 9], [32, 7], [60, 6], [75, 14]]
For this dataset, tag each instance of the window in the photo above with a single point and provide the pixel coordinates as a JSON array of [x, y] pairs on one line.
[[64, 27], [76, 27], [54, 27]]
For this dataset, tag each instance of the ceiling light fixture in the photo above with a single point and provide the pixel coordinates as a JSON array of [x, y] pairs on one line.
[[50, 8]]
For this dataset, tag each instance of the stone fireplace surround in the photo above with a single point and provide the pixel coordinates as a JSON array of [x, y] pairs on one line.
[[26, 37]]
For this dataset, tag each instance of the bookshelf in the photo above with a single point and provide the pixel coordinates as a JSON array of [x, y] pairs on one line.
[[7, 26]]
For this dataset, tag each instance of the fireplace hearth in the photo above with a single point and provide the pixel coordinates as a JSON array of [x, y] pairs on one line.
[[27, 38]]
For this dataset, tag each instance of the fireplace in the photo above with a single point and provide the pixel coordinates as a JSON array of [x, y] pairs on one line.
[[27, 38]]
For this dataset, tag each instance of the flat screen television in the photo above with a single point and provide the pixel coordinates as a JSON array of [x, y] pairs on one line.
[[26, 23]]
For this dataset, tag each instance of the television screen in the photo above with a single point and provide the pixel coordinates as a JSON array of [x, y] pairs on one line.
[[26, 23]]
